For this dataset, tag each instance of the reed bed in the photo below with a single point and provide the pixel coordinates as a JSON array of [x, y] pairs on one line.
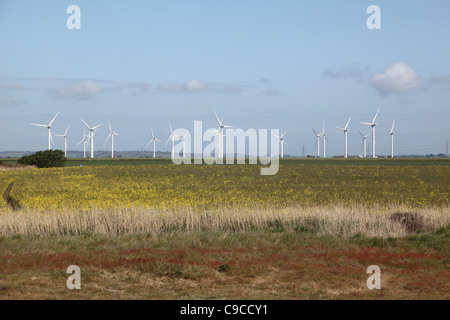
[[344, 221]]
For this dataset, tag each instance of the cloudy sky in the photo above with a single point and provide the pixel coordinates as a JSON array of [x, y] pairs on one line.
[[260, 63]]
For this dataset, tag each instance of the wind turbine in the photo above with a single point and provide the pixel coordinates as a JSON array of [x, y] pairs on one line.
[[91, 135], [318, 135], [154, 139], [85, 142], [49, 126], [111, 134], [345, 129], [324, 135], [65, 140], [364, 143], [392, 139], [220, 133], [173, 137], [281, 142], [183, 138], [373, 125]]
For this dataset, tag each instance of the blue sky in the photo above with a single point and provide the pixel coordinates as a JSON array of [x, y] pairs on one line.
[[261, 64]]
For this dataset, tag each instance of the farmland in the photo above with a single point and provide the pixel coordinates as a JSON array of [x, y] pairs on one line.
[[148, 229]]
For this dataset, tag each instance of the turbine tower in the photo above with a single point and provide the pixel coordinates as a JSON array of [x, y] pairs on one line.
[[48, 126], [91, 136], [373, 125], [318, 135], [111, 134], [65, 140], [392, 139], [220, 133], [364, 143], [154, 139], [324, 135], [85, 142], [345, 129], [183, 138], [281, 142], [172, 137]]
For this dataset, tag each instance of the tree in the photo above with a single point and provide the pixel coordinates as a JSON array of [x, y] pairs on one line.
[[45, 159]]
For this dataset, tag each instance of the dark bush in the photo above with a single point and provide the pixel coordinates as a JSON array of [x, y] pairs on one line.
[[412, 222], [45, 159]]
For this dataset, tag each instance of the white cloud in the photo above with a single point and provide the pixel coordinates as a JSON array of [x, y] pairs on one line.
[[7, 100], [9, 85], [271, 92], [354, 71], [443, 80], [398, 78], [195, 85], [189, 86], [83, 90]]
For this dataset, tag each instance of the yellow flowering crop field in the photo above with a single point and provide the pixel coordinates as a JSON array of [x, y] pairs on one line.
[[203, 186]]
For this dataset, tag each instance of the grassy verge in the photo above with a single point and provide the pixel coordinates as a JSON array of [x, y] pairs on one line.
[[225, 265]]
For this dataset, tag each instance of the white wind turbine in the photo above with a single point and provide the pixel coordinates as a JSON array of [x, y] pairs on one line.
[[220, 133], [183, 138], [65, 140], [154, 139], [84, 142], [49, 126], [318, 135], [172, 137], [111, 134], [373, 125], [345, 129], [281, 142], [392, 139], [91, 135], [324, 135], [364, 143]]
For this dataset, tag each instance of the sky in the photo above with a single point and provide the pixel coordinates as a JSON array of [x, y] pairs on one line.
[[260, 64]]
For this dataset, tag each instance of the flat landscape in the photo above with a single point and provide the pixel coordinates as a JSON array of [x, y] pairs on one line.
[[149, 229]]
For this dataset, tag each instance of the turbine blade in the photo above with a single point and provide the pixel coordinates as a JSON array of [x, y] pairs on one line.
[[217, 117], [94, 128], [53, 119], [169, 139], [39, 125], [348, 123], [107, 138], [65, 134], [109, 124], [392, 129], [369, 124], [86, 124], [360, 133], [153, 134], [375, 118]]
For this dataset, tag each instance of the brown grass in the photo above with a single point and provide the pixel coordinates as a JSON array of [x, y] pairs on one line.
[[13, 166], [326, 220]]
